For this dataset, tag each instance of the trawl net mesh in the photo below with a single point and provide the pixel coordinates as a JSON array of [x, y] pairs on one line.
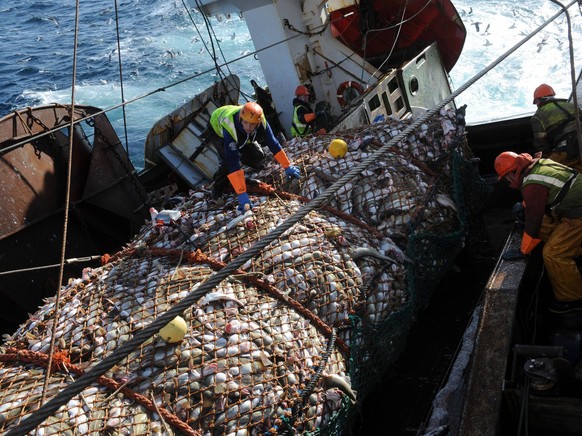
[[292, 339]]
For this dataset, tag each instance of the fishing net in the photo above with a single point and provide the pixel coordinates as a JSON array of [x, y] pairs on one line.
[[294, 338]]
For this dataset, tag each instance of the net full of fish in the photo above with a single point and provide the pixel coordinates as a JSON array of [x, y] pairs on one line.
[[255, 358]]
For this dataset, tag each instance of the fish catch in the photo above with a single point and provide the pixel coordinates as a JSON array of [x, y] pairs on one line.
[[287, 344]]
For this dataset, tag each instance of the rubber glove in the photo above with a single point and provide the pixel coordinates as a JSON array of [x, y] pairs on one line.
[[513, 254], [243, 200], [292, 171]]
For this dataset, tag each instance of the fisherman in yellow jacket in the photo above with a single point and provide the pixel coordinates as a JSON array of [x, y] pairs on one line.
[[240, 127]]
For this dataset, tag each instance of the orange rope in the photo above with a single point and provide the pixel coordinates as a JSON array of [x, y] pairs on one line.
[[61, 361], [266, 189], [200, 258]]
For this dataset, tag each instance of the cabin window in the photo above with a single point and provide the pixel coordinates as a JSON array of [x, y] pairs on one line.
[[386, 102], [374, 103], [399, 103], [393, 85]]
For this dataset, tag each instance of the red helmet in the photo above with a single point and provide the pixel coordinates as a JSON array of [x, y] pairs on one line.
[[301, 90], [251, 112], [543, 91], [508, 162]]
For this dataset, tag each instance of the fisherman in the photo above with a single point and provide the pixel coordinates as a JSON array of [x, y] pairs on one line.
[[304, 119], [552, 195], [554, 128], [240, 127]]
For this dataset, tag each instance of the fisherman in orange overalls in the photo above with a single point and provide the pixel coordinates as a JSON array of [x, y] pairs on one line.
[[552, 195]]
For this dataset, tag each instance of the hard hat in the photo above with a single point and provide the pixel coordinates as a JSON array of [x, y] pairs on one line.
[[508, 162], [251, 112], [505, 163], [174, 331], [543, 91], [301, 90], [338, 148]]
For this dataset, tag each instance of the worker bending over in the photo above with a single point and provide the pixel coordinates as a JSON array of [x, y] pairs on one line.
[[552, 197], [240, 127]]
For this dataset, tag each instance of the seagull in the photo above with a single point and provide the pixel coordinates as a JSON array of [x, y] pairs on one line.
[[476, 23], [541, 44], [487, 43]]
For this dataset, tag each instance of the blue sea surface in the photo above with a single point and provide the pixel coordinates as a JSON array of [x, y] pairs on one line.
[[162, 44]]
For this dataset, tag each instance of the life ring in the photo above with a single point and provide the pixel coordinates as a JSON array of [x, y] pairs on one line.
[[348, 87]]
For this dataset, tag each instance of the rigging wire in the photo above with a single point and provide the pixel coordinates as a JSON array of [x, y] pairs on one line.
[[399, 25], [121, 77], [573, 76], [66, 218], [212, 37], [70, 261], [148, 94], [403, 20]]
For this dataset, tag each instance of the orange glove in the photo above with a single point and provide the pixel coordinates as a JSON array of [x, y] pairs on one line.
[[237, 180], [528, 243], [321, 131], [309, 117], [282, 158]]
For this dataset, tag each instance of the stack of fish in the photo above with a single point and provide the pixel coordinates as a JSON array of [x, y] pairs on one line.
[[273, 346]]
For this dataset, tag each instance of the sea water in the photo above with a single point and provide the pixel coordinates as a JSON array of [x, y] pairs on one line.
[[168, 54]]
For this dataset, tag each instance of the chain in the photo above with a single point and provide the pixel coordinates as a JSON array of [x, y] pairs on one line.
[[31, 116], [292, 28]]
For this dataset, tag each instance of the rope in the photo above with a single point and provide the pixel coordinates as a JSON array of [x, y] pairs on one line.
[[70, 261], [61, 362], [125, 349], [67, 200], [197, 257], [163, 89], [317, 375], [121, 76], [266, 189]]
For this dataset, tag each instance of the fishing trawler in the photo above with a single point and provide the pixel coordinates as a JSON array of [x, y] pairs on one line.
[[282, 318]]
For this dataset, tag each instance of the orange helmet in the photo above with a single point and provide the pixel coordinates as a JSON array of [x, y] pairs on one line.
[[508, 162], [543, 91], [505, 163], [301, 90], [251, 112]]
